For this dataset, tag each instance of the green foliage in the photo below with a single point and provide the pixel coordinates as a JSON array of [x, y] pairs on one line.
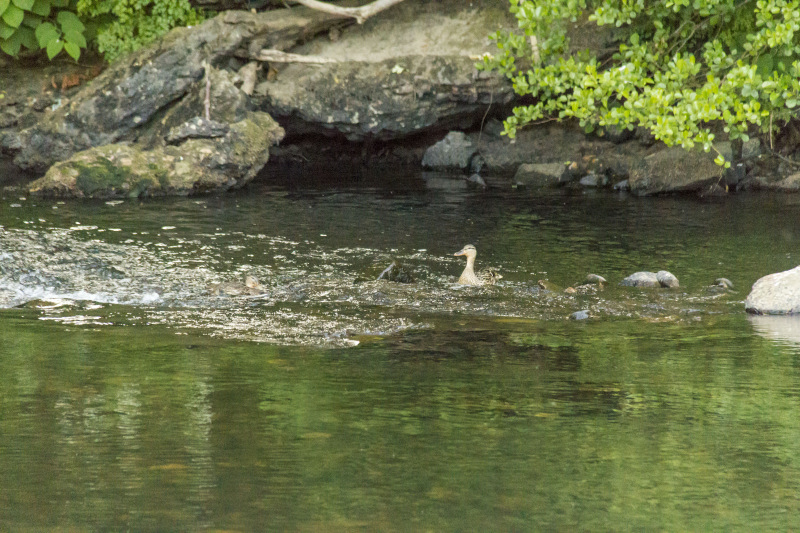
[[49, 25], [130, 24], [119, 26], [680, 67]]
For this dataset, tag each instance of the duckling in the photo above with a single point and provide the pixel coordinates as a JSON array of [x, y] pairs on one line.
[[487, 276], [250, 287]]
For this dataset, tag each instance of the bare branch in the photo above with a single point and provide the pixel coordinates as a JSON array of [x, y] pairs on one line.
[[359, 13], [276, 56]]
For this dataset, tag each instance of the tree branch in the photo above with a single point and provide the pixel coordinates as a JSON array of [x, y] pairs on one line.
[[276, 56], [359, 13]]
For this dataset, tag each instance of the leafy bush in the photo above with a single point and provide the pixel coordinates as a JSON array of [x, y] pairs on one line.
[[120, 26], [130, 24], [51, 25], [680, 67]]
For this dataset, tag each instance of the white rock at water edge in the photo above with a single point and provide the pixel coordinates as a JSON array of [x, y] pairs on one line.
[[775, 294]]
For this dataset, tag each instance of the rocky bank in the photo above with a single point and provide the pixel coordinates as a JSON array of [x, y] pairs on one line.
[[246, 93]]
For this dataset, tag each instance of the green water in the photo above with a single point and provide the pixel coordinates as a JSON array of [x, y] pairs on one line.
[[132, 400]]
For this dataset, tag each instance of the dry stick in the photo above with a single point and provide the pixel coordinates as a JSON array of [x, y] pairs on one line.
[[276, 56], [207, 101], [359, 13]]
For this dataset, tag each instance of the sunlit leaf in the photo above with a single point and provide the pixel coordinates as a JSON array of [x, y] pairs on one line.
[[73, 50], [45, 33], [54, 48], [23, 4], [41, 7], [13, 16]]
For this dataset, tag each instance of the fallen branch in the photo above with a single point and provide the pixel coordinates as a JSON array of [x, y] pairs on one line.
[[359, 13], [276, 56], [207, 99]]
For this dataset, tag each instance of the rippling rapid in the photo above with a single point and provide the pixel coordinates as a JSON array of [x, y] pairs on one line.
[[319, 253]]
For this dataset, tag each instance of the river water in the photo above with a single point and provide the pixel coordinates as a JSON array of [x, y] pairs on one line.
[[132, 398]]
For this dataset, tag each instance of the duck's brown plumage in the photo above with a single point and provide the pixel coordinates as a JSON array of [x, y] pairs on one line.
[[488, 276]]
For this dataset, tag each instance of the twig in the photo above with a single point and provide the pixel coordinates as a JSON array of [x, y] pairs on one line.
[[276, 56], [207, 101], [359, 13]]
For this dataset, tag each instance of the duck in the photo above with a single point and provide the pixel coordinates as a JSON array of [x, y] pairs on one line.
[[488, 276], [250, 287]]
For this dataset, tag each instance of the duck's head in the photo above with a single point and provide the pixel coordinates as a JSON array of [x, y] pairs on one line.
[[467, 250]]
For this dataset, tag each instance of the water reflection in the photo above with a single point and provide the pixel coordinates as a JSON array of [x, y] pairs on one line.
[[128, 400], [779, 328]]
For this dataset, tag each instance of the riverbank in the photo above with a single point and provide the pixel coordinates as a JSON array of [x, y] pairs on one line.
[[207, 109]]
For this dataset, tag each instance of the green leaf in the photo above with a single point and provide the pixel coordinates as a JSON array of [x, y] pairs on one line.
[[41, 7], [73, 50], [23, 4], [10, 46], [27, 38], [45, 33], [6, 31], [4, 5], [13, 17], [31, 20], [54, 48], [75, 37], [69, 21]]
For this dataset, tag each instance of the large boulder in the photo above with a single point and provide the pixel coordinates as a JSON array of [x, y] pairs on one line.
[[214, 163], [121, 103], [408, 70], [775, 294], [674, 170]]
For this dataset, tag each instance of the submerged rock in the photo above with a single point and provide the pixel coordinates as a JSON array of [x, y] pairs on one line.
[[662, 278], [667, 279], [641, 279], [250, 287], [396, 272], [580, 315], [775, 294]]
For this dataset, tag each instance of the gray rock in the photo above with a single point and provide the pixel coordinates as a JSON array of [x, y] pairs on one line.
[[595, 279], [666, 279], [197, 128], [674, 170], [121, 102], [790, 183], [452, 152], [641, 279], [383, 100], [547, 144], [593, 180], [775, 294], [196, 166], [580, 315], [476, 179], [751, 148], [407, 71], [540, 175]]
